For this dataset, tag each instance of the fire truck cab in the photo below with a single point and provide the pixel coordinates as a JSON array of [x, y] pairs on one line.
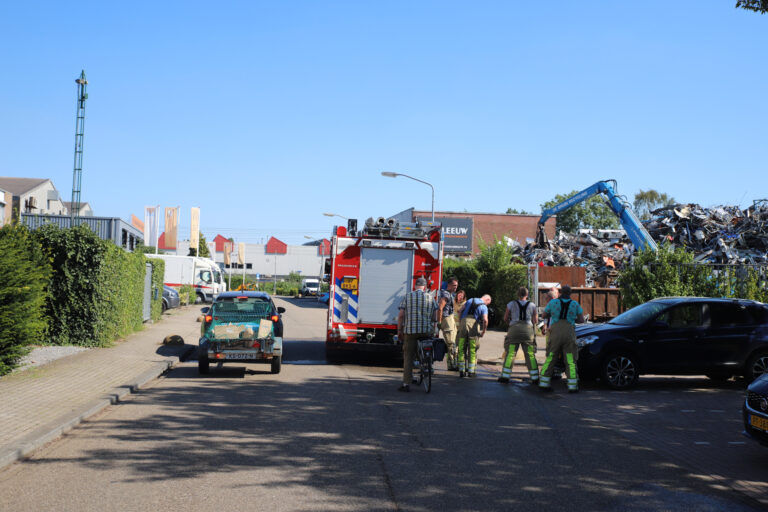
[[370, 271]]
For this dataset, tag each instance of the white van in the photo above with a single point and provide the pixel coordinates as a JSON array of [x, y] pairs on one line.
[[309, 287]]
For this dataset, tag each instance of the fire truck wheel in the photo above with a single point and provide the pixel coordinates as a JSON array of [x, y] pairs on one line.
[[276, 363]]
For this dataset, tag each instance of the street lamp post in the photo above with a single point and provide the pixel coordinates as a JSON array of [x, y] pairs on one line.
[[396, 174]]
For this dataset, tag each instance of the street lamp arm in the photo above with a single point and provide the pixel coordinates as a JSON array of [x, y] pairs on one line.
[[396, 174]]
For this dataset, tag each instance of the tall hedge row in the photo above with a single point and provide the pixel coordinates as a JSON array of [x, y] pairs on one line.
[[158, 272], [96, 289], [24, 275]]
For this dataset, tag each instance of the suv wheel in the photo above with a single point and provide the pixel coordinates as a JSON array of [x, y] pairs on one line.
[[620, 371], [756, 366]]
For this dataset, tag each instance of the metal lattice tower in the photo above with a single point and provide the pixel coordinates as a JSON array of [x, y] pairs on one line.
[[77, 176]]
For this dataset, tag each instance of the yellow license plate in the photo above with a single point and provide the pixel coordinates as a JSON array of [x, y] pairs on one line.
[[758, 422], [349, 283]]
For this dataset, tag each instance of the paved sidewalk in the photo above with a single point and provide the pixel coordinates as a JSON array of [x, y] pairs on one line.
[[40, 404]]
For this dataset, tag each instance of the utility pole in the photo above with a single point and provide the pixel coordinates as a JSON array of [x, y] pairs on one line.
[[77, 177]]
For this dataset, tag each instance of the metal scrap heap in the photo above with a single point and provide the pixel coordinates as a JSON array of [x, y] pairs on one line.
[[723, 234]]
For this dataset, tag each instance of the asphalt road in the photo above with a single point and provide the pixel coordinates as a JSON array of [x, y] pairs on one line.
[[340, 437]]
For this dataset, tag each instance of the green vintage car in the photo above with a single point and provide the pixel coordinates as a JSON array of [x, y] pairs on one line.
[[243, 327]]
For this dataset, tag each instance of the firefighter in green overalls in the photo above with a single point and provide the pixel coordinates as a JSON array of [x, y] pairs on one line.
[[521, 317], [474, 322], [564, 313]]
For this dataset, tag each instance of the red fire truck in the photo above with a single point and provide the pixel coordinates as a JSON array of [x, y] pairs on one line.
[[370, 272]]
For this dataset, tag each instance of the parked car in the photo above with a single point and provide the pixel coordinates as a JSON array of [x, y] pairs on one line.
[[719, 338], [241, 326], [324, 297], [755, 410], [170, 298]]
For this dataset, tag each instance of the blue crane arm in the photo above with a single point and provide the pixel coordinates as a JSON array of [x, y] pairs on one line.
[[632, 225]]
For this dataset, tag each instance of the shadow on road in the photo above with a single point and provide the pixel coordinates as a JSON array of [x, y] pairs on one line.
[[361, 444]]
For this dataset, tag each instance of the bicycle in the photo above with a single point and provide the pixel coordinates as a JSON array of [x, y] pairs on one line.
[[425, 356]]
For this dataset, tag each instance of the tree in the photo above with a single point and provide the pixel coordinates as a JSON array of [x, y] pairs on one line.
[[648, 200], [515, 211], [760, 6], [590, 214], [204, 252]]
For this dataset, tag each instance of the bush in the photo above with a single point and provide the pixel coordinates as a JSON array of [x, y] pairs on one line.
[[187, 294], [665, 273], [24, 273], [490, 272]]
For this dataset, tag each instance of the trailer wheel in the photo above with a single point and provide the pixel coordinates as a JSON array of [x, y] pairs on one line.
[[276, 364]]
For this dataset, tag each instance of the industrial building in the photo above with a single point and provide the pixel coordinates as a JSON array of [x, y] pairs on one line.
[[464, 231]]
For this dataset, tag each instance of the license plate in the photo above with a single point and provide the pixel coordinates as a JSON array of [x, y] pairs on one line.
[[237, 355], [349, 283], [758, 422]]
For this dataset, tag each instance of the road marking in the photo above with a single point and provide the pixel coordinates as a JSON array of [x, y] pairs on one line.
[[688, 410], [737, 442], [715, 410], [701, 442]]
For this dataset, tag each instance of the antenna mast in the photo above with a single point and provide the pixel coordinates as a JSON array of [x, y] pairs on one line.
[[79, 132]]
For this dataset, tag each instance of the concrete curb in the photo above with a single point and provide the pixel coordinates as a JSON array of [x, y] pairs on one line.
[[24, 447]]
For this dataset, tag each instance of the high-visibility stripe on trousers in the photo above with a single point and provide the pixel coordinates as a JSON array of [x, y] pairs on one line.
[[520, 334], [562, 339]]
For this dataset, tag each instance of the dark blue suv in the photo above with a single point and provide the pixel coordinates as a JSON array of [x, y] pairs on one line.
[[719, 338]]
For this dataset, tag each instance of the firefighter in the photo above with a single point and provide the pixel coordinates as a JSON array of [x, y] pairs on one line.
[[521, 316], [564, 313], [447, 320], [474, 322]]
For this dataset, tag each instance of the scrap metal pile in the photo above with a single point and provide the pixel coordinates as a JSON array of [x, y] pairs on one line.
[[723, 234]]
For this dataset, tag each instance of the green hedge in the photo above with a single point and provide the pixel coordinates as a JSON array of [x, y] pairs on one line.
[[24, 274], [673, 273], [96, 290], [158, 272]]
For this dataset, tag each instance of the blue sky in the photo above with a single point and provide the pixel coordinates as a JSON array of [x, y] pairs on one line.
[[266, 114]]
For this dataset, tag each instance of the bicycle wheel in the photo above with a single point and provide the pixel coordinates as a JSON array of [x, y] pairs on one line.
[[421, 368], [428, 370]]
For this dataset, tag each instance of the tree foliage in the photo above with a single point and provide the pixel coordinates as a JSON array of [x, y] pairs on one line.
[[515, 211], [590, 214], [204, 252], [760, 6], [490, 272], [648, 200], [24, 274]]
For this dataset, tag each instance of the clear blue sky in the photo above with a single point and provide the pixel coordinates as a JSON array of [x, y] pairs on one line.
[[266, 114]]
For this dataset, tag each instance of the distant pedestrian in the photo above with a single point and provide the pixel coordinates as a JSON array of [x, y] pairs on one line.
[[564, 313], [474, 322], [415, 320], [521, 316], [447, 320]]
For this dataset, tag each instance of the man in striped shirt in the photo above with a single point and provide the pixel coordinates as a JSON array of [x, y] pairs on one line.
[[415, 320]]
